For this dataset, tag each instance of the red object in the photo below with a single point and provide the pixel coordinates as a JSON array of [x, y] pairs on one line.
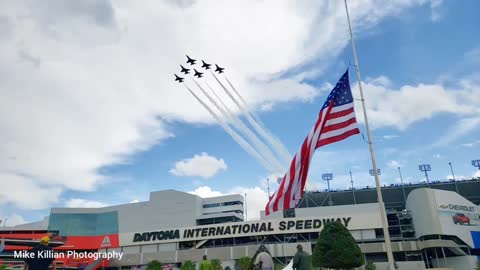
[[336, 122], [460, 218], [89, 242]]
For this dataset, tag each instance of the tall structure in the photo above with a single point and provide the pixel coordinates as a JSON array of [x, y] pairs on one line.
[[425, 168], [328, 177]]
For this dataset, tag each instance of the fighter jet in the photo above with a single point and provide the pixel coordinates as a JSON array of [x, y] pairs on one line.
[[205, 65], [185, 70], [178, 79], [219, 69], [198, 74], [191, 61]]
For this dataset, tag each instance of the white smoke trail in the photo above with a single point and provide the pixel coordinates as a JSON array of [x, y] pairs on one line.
[[237, 138], [274, 141], [269, 156], [238, 123], [255, 124]]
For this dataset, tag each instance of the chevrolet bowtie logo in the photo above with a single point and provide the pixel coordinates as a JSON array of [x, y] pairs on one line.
[[443, 205]]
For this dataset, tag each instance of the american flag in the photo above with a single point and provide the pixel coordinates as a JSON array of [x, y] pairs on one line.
[[336, 122]]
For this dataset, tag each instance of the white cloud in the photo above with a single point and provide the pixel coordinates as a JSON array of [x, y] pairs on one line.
[[312, 186], [459, 129], [82, 203], [18, 190], [389, 137], [457, 177], [471, 144], [435, 10], [257, 198], [201, 165], [100, 86], [477, 174], [11, 220], [394, 164], [206, 192], [438, 156], [399, 108], [135, 201]]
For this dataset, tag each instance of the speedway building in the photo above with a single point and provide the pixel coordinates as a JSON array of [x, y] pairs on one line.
[[430, 226]]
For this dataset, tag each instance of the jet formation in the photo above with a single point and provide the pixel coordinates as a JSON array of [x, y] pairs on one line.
[[197, 74]]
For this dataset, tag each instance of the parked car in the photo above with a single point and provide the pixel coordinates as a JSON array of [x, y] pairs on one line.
[[460, 218]]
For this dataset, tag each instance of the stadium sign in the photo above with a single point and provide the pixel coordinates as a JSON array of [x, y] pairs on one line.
[[239, 229], [457, 207]]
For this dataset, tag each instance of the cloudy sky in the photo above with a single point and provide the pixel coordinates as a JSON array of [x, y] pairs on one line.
[[90, 114]]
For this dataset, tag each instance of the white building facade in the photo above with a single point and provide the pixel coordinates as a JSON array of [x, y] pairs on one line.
[[437, 229]]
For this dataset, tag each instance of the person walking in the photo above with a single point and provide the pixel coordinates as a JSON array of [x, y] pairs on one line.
[[301, 261], [263, 260], [205, 264], [42, 256]]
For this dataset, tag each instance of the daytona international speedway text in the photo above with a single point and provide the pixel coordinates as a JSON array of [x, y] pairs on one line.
[[264, 227]]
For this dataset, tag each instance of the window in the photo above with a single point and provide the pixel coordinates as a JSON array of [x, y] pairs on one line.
[[210, 205], [84, 224], [232, 203]]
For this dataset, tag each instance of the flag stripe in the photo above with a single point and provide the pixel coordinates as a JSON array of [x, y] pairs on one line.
[[340, 125], [337, 138], [342, 107], [334, 133], [331, 121], [340, 113]]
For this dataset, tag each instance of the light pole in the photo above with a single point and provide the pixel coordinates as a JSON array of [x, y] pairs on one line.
[[246, 217], [268, 188], [425, 168], [403, 186], [353, 189], [453, 175], [379, 172], [476, 163], [328, 177]]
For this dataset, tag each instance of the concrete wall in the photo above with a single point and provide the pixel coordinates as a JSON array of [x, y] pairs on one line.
[[422, 205], [463, 262]]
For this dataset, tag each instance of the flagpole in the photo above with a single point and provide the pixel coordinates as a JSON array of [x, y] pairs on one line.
[[383, 213]]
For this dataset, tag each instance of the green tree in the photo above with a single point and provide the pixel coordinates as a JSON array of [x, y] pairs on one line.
[[187, 265], [277, 266], [217, 264], [371, 266], [478, 266], [227, 268], [3, 267], [337, 249], [154, 265], [244, 263]]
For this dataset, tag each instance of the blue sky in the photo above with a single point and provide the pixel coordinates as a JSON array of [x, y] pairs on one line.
[[91, 116]]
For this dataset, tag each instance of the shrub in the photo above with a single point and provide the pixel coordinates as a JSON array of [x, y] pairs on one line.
[[337, 249], [187, 265], [217, 264], [154, 265]]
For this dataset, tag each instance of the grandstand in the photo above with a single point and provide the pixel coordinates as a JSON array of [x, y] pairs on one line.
[[394, 195]]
